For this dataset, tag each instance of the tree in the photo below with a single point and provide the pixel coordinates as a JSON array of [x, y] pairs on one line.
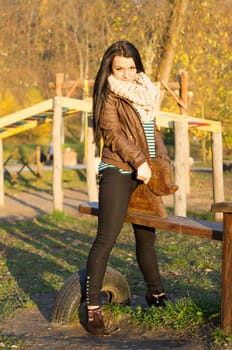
[[208, 62], [41, 38]]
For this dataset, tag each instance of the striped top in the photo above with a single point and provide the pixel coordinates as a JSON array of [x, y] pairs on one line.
[[149, 132]]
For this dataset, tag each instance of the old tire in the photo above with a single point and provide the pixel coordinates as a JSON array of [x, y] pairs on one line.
[[72, 294]]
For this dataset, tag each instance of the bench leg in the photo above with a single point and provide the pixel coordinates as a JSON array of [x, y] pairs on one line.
[[226, 304]]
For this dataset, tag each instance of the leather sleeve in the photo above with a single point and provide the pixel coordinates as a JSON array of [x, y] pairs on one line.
[[117, 137]]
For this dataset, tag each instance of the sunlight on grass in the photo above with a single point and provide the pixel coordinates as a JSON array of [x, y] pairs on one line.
[[185, 314]]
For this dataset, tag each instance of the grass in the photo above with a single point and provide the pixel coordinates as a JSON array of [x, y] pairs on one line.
[[26, 181], [184, 314], [38, 255], [9, 342]]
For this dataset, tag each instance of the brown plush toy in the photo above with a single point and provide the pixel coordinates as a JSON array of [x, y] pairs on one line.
[[147, 198]]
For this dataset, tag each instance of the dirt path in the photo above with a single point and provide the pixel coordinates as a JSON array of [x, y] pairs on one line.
[[29, 204], [34, 328]]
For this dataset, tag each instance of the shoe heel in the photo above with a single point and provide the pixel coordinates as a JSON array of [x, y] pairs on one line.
[[158, 301], [95, 324]]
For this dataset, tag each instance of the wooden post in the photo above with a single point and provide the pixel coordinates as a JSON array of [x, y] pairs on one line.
[[85, 123], [38, 162], [2, 197], [226, 302], [90, 163], [217, 163], [59, 86], [57, 146], [59, 83], [57, 155], [182, 151], [89, 147], [183, 77], [180, 201]]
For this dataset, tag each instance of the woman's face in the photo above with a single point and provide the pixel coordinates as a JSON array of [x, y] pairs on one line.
[[123, 68]]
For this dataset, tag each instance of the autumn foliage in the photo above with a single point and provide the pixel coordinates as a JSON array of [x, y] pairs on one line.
[[42, 38]]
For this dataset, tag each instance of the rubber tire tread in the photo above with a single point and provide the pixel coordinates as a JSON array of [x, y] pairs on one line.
[[67, 300], [72, 294]]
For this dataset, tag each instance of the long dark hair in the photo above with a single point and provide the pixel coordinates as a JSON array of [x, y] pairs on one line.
[[119, 48]]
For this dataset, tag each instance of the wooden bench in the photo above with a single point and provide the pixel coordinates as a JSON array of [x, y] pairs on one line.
[[200, 228]]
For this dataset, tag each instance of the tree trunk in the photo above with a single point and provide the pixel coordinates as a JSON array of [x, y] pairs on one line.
[[170, 40]]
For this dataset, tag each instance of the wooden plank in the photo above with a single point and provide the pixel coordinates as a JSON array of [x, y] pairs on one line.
[[222, 207], [178, 224], [42, 117], [26, 113], [8, 131], [27, 124], [17, 128], [167, 119], [76, 104]]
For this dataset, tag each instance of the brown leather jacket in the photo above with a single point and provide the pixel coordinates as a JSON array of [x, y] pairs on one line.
[[125, 144]]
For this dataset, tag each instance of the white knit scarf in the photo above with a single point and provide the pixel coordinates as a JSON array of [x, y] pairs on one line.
[[142, 93]]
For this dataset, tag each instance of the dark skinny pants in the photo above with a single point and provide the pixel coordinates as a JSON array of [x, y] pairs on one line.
[[114, 196]]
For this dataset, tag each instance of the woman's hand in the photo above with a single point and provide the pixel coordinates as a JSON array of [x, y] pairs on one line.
[[144, 172]]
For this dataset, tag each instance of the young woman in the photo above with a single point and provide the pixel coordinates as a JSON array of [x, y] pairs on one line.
[[125, 104]]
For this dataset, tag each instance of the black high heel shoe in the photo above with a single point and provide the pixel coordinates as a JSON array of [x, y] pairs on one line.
[[158, 301]]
